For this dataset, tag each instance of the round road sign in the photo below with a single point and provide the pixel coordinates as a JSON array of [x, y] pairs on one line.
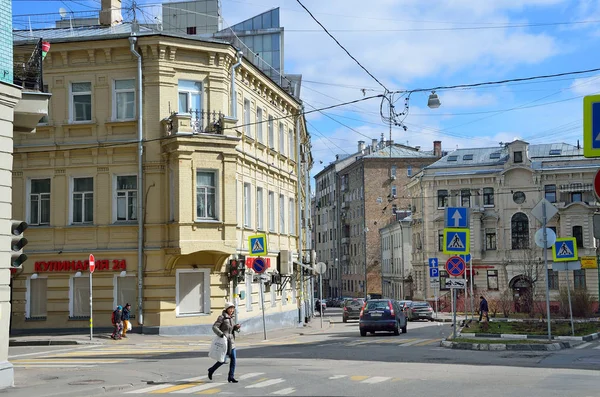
[[597, 184], [550, 238], [259, 265], [455, 266], [92, 263], [320, 268]]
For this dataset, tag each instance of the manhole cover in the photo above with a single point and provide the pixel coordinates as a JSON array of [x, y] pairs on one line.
[[87, 382]]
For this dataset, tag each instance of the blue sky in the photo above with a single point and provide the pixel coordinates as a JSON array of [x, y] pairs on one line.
[[410, 44]]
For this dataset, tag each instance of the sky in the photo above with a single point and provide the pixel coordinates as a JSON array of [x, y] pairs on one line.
[[410, 45]]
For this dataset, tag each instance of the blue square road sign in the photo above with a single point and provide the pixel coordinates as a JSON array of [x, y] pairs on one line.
[[457, 217]]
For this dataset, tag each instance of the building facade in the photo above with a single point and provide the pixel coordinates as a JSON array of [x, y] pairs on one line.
[[225, 156], [500, 186], [396, 251]]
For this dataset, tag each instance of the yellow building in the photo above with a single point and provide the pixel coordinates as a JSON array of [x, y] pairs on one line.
[[210, 179]]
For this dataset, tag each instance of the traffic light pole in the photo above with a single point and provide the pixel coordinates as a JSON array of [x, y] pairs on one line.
[[91, 315]]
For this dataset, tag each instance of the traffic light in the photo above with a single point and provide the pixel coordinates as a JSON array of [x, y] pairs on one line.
[[241, 268], [233, 269], [17, 242]]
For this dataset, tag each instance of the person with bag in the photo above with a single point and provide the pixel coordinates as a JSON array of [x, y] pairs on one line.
[[117, 322], [126, 316], [224, 327]]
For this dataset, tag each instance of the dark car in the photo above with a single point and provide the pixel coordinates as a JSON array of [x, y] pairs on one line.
[[381, 315], [420, 311], [404, 306], [352, 308]]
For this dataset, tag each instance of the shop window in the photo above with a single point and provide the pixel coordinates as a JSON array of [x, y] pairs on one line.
[[492, 279], [39, 202], [79, 299], [83, 200], [124, 100], [192, 292], [37, 296], [81, 101], [126, 205], [125, 291]]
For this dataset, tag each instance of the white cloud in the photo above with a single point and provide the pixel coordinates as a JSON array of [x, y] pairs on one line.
[[586, 85]]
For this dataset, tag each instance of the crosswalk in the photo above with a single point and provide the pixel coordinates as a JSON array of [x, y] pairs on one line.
[[94, 356], [393, 341], [257, 381], [589, 345]]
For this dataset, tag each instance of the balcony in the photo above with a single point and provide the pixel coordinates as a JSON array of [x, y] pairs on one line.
[[27, 74], [195, 122]]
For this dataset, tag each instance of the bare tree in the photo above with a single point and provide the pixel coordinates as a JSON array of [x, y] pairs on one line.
[[532, 270]]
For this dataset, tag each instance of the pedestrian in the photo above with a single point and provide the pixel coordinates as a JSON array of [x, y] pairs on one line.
[[224, 326], [117, 321], [126, 316], [483, 309]]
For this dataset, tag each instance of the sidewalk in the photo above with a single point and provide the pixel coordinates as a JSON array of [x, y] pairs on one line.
[[311, 328]]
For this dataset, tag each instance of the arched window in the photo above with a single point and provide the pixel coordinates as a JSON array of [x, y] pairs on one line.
[[519, 227]]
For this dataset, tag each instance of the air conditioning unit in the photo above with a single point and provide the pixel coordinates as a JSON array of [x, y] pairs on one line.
[[285, 264]]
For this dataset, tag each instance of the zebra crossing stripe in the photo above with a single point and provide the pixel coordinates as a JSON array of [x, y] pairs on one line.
[[597, 347], [583, 346], [250, 375], [266, 383], [202, 387], [413, 342], [284, 392], [337, 377], [150, 389], [428, 342], [376, 379]]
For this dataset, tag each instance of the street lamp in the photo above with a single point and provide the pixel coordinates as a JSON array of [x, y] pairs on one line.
[[434, 101]]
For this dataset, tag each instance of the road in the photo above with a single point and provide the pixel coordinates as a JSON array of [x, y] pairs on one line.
[[338, 362]]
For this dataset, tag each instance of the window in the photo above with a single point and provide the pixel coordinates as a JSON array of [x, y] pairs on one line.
[[578, 234], [553, 279], [393, 170], [452, 158], [271, 132], [191, 30], [465, 198], [192, 292], [247, 126], [576, 197], [81, 101], [409, 170], [39, 202], [440, 241], [291, 150], [495, 155], [442, 198], [394, 191], [79, 297], [260, 215], [467, 157], [292, 215], [206, 195], [126, 198], [555, 152], [443, 276], [519, 226], [259, 125], [37, 291], [490, 239], [281, 139], [579, 279], [492, 279], [190, 97], [125, 291], [281, 214], [124, 100], [488, 196], [518, 156], [271, 211], [83, 200], [247, 205], [550, 193]]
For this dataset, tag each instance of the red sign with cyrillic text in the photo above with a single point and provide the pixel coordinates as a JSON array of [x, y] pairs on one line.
[[116, 265]]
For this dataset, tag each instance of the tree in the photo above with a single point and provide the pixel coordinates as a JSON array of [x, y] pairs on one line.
[[530, 282]]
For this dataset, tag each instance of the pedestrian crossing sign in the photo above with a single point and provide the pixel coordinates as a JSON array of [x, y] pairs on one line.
[[457, 241], [565, 249], [257, 245]]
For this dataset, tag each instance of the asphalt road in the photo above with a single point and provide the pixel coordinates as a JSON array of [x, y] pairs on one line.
[[337, 362]]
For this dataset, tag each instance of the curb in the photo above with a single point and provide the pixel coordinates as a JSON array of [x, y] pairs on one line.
[[17, 343], [503, 346], [94, 391], [586, 338]]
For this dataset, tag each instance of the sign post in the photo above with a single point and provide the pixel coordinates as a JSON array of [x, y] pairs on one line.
[[260, 265], [564, 253], [321, 268], [92, 264]]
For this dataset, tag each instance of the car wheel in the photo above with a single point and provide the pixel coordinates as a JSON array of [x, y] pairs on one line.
[[397, 329], [363, 333], [404, 329]]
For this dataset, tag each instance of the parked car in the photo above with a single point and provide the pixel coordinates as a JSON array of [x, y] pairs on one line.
[[404, 306], [420, 311], [381, 315], [352, 308]]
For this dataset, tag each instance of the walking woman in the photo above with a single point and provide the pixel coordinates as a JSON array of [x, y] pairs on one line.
[[224, 326]]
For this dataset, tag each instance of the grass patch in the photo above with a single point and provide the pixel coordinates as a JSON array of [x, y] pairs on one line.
[[538, 328], [502, 341]]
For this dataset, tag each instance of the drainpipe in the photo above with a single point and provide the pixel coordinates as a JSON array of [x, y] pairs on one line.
[[402, 261], [299, 210], [233, 111], [140, 184], [423, 236]]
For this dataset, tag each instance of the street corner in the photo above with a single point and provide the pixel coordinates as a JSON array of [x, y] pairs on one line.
[[496, 345]]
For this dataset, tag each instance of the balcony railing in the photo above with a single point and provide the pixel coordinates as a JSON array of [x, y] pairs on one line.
[[28, 74], [194, 122]]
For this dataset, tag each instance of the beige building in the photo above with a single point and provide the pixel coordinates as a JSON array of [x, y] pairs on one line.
[[396, 252], [501, 186], [222, 160]]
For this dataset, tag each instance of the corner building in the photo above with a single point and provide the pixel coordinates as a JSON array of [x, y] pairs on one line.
[[222, 160]]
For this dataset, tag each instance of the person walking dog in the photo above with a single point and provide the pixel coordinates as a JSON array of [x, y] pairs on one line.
[[224, 326]]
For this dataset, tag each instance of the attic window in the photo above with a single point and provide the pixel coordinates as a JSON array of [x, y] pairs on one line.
[[468, 157], [555, 152], [495, 155], [452, 158]]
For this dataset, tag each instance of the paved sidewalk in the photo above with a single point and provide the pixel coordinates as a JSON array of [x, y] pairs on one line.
[[312, 327]]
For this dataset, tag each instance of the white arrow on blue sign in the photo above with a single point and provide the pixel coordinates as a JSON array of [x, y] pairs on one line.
[[457, 217], [434, 272], [466, 258], [433, 262]]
